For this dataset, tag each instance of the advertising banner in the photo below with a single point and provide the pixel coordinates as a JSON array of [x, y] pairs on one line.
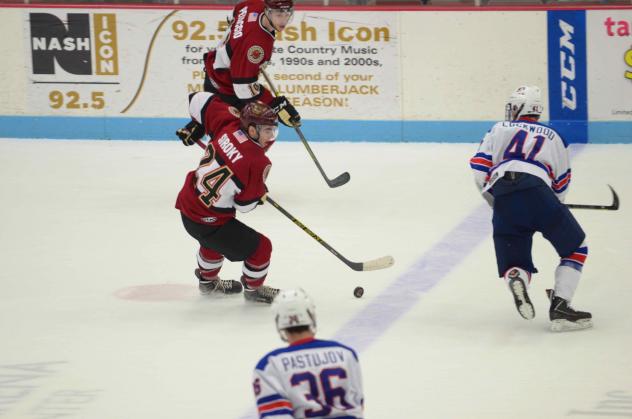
[[610, 69], [568, 94], [128, 63], [114, 62], [126, 73], [340, 65]]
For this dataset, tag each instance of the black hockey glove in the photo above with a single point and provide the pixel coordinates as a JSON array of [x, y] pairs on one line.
[[190, 133], [287, 113]]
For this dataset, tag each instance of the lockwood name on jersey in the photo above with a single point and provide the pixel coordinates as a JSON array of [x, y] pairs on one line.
[[310, 360], [535, 129]]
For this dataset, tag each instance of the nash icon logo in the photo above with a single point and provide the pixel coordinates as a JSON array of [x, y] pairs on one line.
[[74, 45]]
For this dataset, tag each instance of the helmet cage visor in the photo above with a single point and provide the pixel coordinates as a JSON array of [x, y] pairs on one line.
[[268, 132], [279, 16]]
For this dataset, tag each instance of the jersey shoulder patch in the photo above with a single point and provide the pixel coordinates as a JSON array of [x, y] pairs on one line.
[[255, 54]]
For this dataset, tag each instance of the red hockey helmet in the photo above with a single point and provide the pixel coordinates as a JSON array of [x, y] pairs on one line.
[[263, 119], [279, 4], [257, 113]]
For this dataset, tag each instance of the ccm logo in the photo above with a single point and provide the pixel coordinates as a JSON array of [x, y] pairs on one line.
[[567, 66]]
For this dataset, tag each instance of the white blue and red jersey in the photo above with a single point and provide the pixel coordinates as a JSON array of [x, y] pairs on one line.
[[311, 378], [523, 146]]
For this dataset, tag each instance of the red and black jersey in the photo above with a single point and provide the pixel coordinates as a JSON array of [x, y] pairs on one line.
[[233, 67], [231, 175]]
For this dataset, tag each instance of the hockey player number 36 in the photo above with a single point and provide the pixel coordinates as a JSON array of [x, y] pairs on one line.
[[330, 392], [516, 145]]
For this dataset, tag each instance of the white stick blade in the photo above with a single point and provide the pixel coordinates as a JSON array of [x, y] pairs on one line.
[[379, 263]]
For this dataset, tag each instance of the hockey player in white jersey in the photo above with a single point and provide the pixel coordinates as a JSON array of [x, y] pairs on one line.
[[310, 378], [522, 169]]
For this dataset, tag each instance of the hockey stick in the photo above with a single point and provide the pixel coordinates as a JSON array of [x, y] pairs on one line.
[[333, 183], [201, 144], [613, 207], [371, 265]]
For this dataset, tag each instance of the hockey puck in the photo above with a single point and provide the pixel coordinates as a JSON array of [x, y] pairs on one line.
[[358, 292]]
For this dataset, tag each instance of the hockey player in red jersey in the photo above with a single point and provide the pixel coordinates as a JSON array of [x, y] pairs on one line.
[[231, 176], [232, 68]]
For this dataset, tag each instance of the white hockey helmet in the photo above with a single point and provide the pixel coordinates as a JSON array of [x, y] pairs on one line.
[[525, 100], [294, 308]]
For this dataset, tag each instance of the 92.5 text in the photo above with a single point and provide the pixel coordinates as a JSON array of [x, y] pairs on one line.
[[196, 30], [73, 100]]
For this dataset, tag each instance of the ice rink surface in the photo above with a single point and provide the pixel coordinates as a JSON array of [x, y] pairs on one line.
[[100, 316]]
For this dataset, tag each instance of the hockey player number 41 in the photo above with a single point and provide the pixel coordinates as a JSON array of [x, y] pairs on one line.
[[516, 145]]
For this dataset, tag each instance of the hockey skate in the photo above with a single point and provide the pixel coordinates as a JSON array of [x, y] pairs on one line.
[[564, 317], [518, 288], [217, 286], [263, 294]]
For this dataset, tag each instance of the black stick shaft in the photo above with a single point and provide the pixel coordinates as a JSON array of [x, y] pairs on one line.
[[612, 207], [593, 207], [356, 266], [338, 181], [353, 265]]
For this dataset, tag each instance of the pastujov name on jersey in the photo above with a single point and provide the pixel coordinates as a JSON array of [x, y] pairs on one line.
[[309, 360]]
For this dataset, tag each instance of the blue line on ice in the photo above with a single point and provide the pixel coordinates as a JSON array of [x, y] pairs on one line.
[[398, 298], [403, 294]]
